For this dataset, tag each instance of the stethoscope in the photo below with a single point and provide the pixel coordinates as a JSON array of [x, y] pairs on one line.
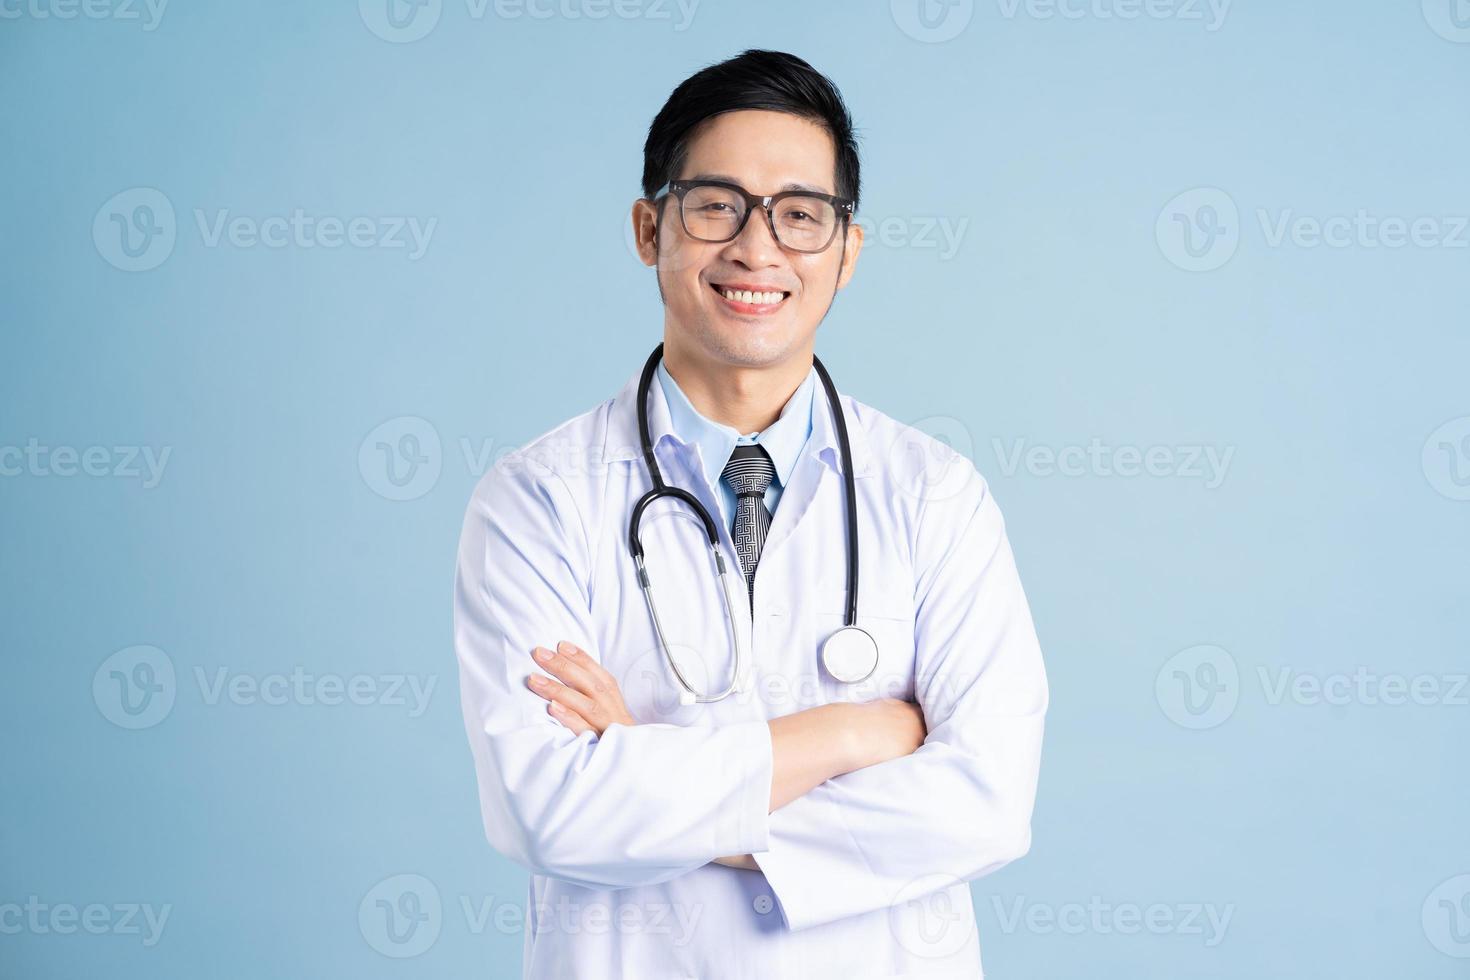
[[849, 655]]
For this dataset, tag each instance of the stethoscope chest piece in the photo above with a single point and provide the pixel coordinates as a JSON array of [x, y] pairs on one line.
[[850, 654]]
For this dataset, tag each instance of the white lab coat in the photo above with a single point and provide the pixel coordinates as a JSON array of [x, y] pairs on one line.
[[863, 877]]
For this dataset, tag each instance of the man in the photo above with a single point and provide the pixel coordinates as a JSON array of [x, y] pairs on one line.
[[801, 826]]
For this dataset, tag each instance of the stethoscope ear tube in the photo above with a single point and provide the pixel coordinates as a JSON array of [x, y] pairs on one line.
[[645, 443], [849, 487], [660, 489], [636, 545]]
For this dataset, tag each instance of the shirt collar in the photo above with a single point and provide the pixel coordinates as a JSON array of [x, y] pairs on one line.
[[782, 439], [620, 435]]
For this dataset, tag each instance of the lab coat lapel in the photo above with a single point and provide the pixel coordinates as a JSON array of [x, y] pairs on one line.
[[806, 482], [811, 471]]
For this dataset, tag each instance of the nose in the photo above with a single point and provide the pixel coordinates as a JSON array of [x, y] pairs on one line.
[[755, 246]]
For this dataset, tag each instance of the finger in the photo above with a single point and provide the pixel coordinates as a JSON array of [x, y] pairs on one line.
[[567, 670], [581, 658], [597, 675], [569, 718], [563, 695]]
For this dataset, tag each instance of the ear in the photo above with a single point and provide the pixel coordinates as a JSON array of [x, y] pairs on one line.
[[852, 245], [645, 231]]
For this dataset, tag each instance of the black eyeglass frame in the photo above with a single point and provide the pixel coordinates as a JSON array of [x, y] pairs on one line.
[[678, 188]]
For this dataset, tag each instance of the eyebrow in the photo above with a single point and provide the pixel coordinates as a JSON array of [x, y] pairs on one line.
[[789, 186]]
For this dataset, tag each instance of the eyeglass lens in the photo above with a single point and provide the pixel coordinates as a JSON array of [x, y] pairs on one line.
[[713, 214]]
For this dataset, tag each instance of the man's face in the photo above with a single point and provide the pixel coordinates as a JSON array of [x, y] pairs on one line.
[[763, 152]]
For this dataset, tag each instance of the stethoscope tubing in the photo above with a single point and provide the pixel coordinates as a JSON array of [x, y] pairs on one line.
[[661, 489]]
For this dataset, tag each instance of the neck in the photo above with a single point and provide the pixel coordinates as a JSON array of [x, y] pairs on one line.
[[748, 399]]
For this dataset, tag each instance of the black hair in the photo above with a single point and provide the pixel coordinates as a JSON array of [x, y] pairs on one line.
[[753, 79]]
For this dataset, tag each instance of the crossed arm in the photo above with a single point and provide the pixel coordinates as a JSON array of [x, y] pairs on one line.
[[842, 807], [807, 748]]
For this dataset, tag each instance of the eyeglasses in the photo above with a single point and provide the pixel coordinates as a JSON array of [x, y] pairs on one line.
[[716, 211]]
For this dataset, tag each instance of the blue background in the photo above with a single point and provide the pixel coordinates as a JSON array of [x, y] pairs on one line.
[[1335, 541]]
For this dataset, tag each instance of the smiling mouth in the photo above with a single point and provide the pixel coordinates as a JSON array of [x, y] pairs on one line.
[[750, 301]]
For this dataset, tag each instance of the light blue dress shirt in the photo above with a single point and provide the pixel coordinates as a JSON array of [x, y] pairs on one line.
[[783, 439]]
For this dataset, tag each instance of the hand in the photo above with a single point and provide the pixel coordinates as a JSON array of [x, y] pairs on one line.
[[888, 729], [742, 861], [587, 699]]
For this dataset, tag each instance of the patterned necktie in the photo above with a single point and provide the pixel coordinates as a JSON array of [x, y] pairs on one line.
[[749, 472]]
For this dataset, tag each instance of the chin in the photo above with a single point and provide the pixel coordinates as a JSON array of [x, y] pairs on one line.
[[747, 346]]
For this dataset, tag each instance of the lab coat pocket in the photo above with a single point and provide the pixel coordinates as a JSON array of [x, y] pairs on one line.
[[892, 628]]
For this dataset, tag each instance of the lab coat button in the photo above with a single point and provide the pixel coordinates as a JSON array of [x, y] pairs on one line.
[[763, 904]]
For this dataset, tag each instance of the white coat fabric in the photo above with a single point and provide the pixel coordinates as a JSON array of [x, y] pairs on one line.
[[864, 876]]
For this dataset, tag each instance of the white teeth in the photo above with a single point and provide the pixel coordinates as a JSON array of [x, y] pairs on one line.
[[746, 296]]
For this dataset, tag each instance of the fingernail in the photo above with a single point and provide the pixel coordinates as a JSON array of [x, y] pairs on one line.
[[564, 647], [537, 680], [541, 654]]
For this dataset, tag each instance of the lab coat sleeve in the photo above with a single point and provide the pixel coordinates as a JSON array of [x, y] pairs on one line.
[[639, 805], [960, 806]]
